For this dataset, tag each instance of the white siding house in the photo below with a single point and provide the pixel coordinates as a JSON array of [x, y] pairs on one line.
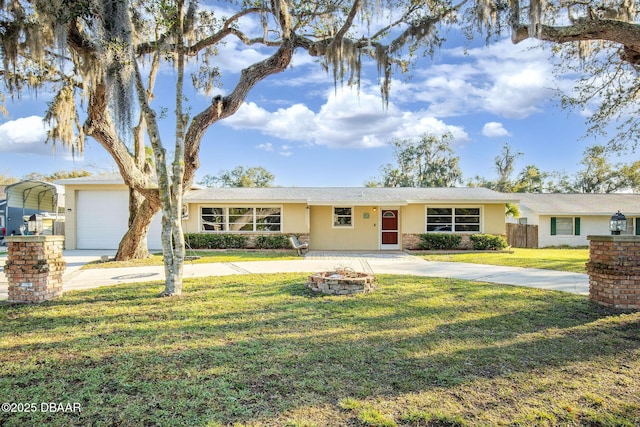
[[567, 219]]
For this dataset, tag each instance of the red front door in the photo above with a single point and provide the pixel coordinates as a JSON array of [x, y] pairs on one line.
[[389, 227]]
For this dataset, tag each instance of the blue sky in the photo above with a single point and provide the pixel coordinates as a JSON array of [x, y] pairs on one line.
[[307, 132]]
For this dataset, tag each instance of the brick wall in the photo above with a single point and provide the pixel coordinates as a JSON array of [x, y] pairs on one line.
[[34, 268], [614, 271]]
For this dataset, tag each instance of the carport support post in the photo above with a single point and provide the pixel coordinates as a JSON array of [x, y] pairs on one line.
[[614, 271], [34, 268]]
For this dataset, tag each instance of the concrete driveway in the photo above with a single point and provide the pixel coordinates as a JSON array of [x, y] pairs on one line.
[[377, 262]]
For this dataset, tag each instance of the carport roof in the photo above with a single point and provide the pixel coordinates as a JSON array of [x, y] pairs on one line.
[[38, 195]]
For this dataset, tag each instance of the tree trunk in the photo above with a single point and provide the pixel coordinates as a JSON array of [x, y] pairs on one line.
[[134, 243]]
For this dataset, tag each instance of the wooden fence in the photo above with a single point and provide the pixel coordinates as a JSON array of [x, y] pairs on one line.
[[522, 235]]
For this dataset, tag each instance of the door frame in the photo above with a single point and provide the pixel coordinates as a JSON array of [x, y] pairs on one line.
[[388, 247]]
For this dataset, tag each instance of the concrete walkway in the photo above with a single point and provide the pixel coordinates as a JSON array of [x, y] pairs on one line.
[[377, 262]]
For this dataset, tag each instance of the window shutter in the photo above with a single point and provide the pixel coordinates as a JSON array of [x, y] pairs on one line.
[[577, 226], [553, 225], [637, 226]]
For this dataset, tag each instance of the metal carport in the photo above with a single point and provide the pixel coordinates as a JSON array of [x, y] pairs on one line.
[[29, 197]]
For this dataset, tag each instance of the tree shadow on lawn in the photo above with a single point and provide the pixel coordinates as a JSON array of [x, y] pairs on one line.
[[233, 352]]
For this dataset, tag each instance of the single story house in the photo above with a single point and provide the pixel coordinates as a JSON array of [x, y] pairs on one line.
[[338, 218], [567, 219]]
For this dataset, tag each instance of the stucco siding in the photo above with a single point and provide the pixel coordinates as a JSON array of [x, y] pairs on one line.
[[413, 219], [363, 235], [494, 219], [589, 225]]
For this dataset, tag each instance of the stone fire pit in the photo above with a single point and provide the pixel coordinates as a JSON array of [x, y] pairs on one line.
[[341, 282]]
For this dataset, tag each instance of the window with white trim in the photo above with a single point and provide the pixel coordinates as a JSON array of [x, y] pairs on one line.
[[460, 220], [342, 217], [241, 219]]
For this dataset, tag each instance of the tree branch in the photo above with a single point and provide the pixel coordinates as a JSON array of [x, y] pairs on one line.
[[624, 33]]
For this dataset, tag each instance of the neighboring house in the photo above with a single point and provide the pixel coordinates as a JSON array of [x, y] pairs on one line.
[[328, 218], [567, 219], [3, 207], [26, 198]]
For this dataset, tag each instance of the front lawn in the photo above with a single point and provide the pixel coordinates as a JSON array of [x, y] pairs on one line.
[[263, 350], [205, 256], [572, 260]]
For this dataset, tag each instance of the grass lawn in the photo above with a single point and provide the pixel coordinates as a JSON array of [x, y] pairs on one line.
[[572, 260], [263, 350], [206, 256]]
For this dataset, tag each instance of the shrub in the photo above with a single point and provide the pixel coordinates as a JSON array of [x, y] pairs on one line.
[[216, 241], [440, 241], [488, 242], [277, 241]]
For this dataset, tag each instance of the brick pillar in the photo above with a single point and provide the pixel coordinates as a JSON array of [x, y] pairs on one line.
[[34, 268], [614, 271]]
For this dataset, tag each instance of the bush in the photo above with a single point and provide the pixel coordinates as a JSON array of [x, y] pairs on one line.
[[216, 241], [440, 241], [488, 242], [277, 241]]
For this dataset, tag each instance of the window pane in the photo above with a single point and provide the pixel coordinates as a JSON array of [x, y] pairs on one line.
[[467, 220], [438, 211], [564, 226], [212, 219], [468, 211], [438, 228], [439, 219], [342, 217], [268, 219], [467, 227], [240, 211]]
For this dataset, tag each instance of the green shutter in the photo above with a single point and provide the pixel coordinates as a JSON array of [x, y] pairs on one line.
[[553, 225], [577, 227], [638, 226]]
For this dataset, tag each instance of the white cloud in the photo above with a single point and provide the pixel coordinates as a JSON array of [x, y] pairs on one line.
[[286, 151], [347, 119], [266, 146], [24, 135], [494, 130], [512, 81]]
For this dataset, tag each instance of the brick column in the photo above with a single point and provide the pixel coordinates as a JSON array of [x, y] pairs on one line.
[[614, 271], [34, 268]]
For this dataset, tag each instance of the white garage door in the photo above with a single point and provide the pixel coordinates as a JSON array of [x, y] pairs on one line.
[[102, 218]]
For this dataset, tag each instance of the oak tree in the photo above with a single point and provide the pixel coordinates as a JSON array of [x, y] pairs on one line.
[[101, 59]]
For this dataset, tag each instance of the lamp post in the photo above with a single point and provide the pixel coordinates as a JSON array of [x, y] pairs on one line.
[[34, 225], [617, 223]]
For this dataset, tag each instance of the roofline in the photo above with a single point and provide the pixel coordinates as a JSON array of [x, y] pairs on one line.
[[498, 201], [358, 203], [608, 213], [349, 202], [75, 181], [245, 201]]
